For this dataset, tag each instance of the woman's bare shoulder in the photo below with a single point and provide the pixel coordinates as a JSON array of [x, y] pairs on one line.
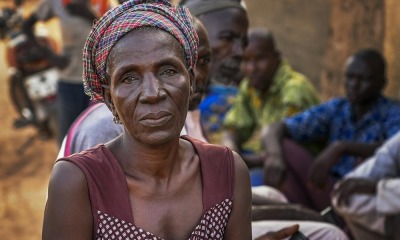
[[67, 176], [68, 209], [240, 166]]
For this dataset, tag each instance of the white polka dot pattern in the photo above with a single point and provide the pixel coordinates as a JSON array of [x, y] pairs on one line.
[[212, 226], [213, 223]]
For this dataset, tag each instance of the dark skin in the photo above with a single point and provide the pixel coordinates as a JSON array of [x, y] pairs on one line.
[[260, 62], [363, 85], [203, 65], [227, 31], [352, 186], [149, 91]]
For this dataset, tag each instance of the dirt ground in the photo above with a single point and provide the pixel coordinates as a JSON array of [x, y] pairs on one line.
[[23, 177]]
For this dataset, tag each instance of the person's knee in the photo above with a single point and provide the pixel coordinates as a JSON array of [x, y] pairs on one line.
[[329, 231], [311, 229], [268, 194]]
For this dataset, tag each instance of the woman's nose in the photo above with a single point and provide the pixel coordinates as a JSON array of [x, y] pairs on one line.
[[152, 91]]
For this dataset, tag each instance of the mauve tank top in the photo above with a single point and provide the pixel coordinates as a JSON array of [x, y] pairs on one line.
[[108, 190]]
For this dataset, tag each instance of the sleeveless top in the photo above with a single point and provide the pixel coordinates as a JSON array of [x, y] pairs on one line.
[[109, 197]]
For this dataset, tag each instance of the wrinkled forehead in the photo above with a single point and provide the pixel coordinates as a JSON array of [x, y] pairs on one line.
[[148, 41]]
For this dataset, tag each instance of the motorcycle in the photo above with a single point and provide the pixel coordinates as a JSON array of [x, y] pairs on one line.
[[32, 76]]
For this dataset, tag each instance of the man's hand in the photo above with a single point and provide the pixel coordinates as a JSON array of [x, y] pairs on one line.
[[280, 234], [321, 166], [352, 186], [274, 171]]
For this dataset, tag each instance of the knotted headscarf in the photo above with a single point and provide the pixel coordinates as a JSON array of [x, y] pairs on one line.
[[124, 18]]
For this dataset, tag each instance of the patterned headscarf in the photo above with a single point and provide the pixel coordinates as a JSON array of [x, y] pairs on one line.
[[124, 18]]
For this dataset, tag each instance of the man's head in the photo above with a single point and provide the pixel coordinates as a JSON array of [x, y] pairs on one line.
[[261, 59], [202, 68], [226, 23], [365, 76]]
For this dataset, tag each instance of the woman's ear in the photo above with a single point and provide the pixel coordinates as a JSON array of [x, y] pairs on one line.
[[107, 98]]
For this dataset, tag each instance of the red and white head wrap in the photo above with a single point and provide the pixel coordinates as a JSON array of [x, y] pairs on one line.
[[132, 14]]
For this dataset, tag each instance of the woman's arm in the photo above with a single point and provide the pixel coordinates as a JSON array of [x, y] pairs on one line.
[[239, 224], [68, 213]]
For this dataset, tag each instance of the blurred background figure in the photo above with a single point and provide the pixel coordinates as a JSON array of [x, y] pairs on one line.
[[271, 91], [368, 197], [226, 23], [76, 18], [353, 127], [32, 74]]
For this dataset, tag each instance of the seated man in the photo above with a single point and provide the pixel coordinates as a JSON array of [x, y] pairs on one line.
[[271, 91], [369, 195], [227, 23], [353, 127]]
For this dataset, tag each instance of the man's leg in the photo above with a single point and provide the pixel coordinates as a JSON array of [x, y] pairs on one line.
[[295, 186]]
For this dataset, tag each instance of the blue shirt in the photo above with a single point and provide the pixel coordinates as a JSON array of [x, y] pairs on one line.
[[213, 109], [334, 120]]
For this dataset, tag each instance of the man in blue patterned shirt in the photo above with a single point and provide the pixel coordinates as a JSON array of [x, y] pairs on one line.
[[353, 128]]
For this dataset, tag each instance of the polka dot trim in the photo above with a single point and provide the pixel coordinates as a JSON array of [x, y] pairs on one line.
[[212, 226], [213, 223]]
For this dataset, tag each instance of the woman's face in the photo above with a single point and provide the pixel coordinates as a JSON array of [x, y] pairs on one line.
[[150, 85]]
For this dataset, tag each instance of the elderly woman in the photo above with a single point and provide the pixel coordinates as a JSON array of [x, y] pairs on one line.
[[148, 183], [95, 125]]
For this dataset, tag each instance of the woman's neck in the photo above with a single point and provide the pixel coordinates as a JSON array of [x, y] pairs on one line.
[[142, 161]]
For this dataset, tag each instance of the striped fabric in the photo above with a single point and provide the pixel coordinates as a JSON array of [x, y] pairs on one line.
[[119, 21]]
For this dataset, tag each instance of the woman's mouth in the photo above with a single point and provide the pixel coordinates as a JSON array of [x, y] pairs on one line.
[[155, 119]]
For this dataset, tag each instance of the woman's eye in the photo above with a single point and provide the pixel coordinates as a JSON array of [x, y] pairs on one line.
[[129, 79], [168, 72]]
